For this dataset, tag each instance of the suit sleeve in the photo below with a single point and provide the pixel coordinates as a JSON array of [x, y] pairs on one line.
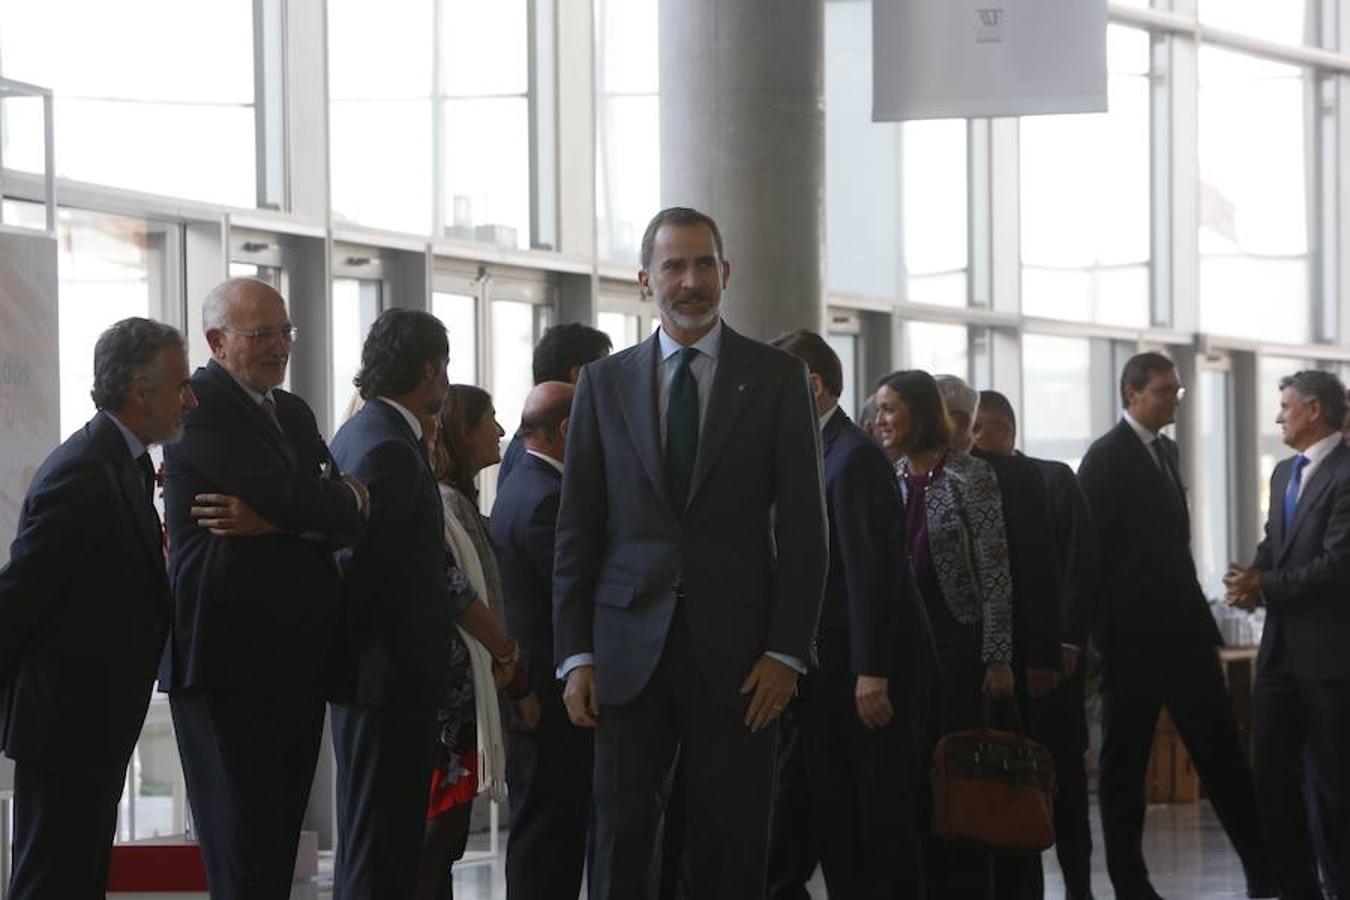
[[1328, 571], [230, 458], [580, 542], [1083, 562], [800, 528], [69, 509], [1095, 484], [1037, 584], [868, 524]]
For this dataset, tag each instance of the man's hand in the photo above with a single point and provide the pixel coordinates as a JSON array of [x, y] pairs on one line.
[[872, 694], [998, 681], [226, 516], [1041, 682], [1244, 587], [527, 710], [362, 493], [773, 684], [1068, 660], [580, 697]]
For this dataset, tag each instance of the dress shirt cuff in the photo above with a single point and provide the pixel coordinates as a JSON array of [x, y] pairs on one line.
[[791, 662], [575, 661]]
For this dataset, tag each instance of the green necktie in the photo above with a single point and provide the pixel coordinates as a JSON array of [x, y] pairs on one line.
[[682, 430]]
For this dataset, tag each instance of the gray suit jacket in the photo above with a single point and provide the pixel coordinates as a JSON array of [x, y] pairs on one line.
[[749, 550]]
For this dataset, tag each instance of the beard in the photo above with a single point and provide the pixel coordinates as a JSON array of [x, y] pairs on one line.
[[685, 321]]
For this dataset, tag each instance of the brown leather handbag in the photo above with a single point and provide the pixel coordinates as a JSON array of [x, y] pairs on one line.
[[994, 788]]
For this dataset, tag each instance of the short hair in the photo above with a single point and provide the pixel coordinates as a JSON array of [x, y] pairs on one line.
[[999, 405], [1139, 370], [546, 420], [959, 396], [563, 347], [1324, 387], [465, 406], [681, 216], [397, 350], [930, 426], [217, 302], [818, 355], [129, 351]]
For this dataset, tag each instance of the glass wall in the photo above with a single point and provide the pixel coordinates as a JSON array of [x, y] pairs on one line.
[[459, 314], [356, 304], [1056, 397], [937, 348]]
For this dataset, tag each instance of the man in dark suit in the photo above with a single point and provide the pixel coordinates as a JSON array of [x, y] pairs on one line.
[[548, 767], [1302, 694], [1061, 716], [401, 608], [255, 508], [84, 609], [691, 557], [1158, 640], [559, 355], [862, 708]]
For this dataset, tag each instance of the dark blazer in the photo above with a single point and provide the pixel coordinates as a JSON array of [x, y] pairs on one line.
[[514, 453], [1032, 559], [1079, 552], [523, 523], [84, 609], [870, 596], [256, 613], [1149, 590], [400, 609], [749, 548], [1306, 570]]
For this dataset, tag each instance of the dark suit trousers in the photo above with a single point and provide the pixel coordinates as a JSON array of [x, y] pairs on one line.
[[548, 774], [384, 757], [63, 832], [863, 785], [1302, 750], [1187, 679], [730, 779], [794, 836], [249, 764], [1059, 721]]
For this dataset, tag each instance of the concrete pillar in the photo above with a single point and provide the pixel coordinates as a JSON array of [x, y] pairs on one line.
[[743, 139]]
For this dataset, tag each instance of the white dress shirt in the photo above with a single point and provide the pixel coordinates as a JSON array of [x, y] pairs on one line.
[[546, 458], [1148, 437], [1316, 455], [413, 422]]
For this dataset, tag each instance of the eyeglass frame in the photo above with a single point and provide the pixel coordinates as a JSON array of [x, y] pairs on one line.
[[289, 334]]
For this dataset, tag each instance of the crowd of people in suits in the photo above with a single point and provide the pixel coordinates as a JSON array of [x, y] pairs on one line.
[[705, 643]]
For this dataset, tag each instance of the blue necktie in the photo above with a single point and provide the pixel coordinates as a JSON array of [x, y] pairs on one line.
[[1291, 491], [682, 430]]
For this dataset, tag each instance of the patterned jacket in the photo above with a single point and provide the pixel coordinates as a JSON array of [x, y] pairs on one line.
[[969, 547]]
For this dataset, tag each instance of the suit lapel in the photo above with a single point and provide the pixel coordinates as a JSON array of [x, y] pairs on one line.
[[251, 412], [1312, 492], [1278, 485], [731, 388], [129, 484], [640, 406]]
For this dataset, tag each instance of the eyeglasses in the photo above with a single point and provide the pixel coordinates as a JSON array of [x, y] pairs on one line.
[[1168, 391], [266, 335]]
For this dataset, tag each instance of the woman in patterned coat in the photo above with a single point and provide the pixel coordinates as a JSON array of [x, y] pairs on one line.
[[959, 552]]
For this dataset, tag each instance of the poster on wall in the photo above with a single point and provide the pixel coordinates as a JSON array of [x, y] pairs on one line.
[[939, 59], [29, 376]]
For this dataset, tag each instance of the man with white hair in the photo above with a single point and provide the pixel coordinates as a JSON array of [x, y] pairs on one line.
[[255, 508], [1034, 562]]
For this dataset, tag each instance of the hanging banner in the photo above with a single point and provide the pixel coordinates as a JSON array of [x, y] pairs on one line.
[[939, 59]]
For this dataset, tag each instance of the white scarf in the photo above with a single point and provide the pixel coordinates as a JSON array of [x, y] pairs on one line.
[[491, 752]]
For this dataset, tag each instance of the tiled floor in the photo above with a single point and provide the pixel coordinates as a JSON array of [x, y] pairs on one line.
[[1188, 855]]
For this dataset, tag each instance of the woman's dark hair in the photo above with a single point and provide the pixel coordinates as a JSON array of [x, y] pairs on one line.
[[451, 460], [395, 356], [930, 428]]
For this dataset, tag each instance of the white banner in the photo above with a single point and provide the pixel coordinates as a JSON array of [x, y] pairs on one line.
[[938, 59], [30, 397]]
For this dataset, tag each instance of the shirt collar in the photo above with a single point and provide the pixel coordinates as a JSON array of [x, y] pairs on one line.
[[546, 458], [1145, 435], [708, 345], [826, 416], [407, 415], [134, 445], [1320, 450]]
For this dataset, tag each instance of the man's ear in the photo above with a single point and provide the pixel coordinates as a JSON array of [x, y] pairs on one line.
[[644, 283], [565, 426], [817, 385], [215, 337]]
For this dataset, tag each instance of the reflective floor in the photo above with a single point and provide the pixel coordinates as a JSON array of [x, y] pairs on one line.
[[1188, 855]]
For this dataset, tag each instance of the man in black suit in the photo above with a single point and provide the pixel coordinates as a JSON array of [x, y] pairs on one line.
[[559, 355], [861, 711], [255, 508], [1158, 640], [401, 609], [691, 557], [548, 767], [84, 609], [1302, 694], [1061, 716]]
